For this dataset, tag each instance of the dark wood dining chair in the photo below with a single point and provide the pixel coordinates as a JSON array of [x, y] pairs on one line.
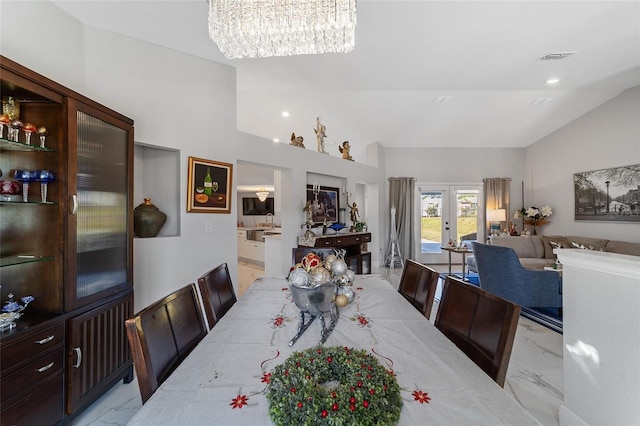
[[418, 285], [481, 324], [162, 335], [297, 253], [217, 293]]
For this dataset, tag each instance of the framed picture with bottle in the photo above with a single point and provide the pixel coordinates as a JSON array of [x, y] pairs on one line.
[[209, 186]]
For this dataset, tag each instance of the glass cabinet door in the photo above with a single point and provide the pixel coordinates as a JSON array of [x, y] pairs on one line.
[[100, 207]]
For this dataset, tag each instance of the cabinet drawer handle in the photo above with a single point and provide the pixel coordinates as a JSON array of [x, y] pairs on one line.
[[357, 238], [45, 340], [74, 204], [78, 352], [45, 368]]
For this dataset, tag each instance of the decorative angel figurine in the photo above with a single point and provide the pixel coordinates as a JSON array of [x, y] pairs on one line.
[[297, 140], [344, 150]]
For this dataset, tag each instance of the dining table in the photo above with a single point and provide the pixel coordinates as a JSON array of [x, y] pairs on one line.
[[224, 379]]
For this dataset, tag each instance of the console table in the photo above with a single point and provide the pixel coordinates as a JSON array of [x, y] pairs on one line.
[[357, 257]]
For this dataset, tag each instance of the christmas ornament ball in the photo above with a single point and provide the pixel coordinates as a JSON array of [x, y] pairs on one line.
[[351, 275], [299, 277], [319, 275], [339, 267], [341, 300]]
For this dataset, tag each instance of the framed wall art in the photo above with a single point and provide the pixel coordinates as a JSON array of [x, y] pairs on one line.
[[611, 195], [325, 203], [209, 186]]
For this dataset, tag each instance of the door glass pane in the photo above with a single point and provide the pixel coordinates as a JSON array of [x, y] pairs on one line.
[[467, 214], [102, 206], [431, 221]]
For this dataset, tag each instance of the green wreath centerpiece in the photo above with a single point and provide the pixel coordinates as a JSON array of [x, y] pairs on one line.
[[333, 386]]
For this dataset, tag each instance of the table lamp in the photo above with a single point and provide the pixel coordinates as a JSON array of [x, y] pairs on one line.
[[496, 216]]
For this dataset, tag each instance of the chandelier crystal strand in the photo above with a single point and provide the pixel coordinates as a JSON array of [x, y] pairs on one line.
[[262, 28]]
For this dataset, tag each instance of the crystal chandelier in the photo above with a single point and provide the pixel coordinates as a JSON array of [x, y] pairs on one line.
[[261, 28], [262, 194]]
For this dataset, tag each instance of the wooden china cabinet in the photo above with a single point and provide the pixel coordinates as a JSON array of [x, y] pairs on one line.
[[72, 251]]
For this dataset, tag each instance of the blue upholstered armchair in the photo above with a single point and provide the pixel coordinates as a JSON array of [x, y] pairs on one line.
[[501, 273]]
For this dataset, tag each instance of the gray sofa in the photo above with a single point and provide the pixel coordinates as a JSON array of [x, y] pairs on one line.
[[536, 251]]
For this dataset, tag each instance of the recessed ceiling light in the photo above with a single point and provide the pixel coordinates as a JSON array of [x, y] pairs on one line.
[[553, 80], [276, 140], [285, 113]]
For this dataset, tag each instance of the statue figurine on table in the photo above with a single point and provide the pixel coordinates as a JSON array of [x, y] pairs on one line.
[[353, 215]]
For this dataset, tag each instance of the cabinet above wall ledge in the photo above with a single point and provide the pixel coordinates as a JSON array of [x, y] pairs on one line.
[[70, 247]]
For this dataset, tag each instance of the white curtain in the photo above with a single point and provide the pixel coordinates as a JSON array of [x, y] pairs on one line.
[[496, 196], [402, 196]]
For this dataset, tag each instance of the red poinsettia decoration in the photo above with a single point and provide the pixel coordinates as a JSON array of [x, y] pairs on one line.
[[266, 378], [239, 401], [421, 397]]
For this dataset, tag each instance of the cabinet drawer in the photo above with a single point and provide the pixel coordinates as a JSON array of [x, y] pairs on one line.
[[363, 238], [43, 406], [31, 374], [31, 345]]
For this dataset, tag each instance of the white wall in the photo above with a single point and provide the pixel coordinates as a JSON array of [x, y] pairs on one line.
[[177, 101], [457, 166], [608, 136], [180, 101]]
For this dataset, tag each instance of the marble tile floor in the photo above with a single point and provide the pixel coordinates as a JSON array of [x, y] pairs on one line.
[[534, 378]]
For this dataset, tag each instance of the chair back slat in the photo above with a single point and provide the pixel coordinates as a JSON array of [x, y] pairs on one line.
[[481, 324], [217, 293], [418, 285], [162, 335]]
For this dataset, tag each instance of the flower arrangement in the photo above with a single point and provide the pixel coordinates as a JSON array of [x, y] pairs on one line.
[[13, 306], [534, 216], [333, 386], [12, 310]]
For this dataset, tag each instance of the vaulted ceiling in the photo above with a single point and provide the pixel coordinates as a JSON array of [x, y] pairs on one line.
[[481, 59]]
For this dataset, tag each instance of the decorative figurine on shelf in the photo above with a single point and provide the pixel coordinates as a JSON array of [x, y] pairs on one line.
[[512, 230], [12, 310], [344, 150], [297, 140], [321, 133], [308, 223], [353, 215]]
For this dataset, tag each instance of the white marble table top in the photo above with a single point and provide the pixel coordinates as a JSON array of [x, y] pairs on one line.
[[252, 338]]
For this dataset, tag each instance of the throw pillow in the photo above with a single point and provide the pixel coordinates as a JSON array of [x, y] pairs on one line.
[[597, 246], [558, 242]]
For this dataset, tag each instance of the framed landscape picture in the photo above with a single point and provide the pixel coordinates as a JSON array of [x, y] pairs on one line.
[[611, 195], [209, 186], [326, 206]]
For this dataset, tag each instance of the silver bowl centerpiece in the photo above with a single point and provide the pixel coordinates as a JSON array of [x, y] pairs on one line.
[[319, 286], [316, 301]]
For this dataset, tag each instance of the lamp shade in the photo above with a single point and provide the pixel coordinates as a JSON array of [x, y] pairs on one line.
[[497, 215]]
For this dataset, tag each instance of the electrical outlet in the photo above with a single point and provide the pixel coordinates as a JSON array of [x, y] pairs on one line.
[[208, 227]]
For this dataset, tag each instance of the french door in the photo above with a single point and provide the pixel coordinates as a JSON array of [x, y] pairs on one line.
[[445, 212]]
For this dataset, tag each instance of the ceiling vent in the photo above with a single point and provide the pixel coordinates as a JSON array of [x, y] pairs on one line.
[[557, 55], [540, 101], [439, 100]]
